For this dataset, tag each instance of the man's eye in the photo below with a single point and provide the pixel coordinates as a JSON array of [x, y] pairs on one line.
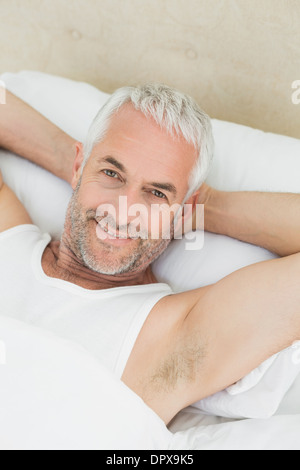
[[111, 173], [158, 194]]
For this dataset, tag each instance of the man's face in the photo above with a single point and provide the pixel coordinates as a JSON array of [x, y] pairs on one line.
[[134, 174]]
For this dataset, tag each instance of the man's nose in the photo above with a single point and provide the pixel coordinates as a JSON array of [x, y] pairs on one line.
[[129, 207]]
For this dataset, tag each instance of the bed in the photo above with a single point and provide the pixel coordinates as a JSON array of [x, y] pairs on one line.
[[55, 395]]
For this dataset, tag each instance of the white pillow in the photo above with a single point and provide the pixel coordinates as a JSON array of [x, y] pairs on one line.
[[259, 394], [245, 159]]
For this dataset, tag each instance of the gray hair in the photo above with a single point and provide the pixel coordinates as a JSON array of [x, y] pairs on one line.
[[173, 111]]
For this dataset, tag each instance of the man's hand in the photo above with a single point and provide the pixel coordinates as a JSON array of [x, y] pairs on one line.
[[204, 195], [190, 220]]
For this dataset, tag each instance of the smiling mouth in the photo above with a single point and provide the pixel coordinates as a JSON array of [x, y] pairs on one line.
[[115, 235]]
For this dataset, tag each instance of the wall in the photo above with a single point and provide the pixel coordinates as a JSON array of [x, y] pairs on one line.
[[238, 58]]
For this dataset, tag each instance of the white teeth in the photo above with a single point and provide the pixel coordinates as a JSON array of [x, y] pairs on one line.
[[114, 234], [109, 233]]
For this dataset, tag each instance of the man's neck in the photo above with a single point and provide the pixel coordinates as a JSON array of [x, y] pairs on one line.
[[60, 262]]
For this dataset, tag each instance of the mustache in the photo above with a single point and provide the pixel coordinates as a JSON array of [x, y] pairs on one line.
[[126, 230]]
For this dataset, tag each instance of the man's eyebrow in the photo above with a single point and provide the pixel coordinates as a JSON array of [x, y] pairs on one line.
[[163, 186], [113, 161]]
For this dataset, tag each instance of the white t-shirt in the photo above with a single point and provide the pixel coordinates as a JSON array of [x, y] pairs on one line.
[[105, 322]]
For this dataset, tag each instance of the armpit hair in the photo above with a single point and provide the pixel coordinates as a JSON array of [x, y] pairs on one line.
[[182, 365]]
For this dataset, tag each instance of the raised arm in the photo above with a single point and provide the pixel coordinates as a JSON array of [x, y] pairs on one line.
[[209, 338], [269, 220], [29, 134], [243, 320]]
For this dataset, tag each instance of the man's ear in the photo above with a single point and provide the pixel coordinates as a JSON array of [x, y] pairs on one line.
[[76, 170]]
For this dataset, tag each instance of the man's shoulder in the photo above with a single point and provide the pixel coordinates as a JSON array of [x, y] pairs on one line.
[[169, 314], [164, 326], [181, 303], [161, 357], [19, 242], [21, 230]]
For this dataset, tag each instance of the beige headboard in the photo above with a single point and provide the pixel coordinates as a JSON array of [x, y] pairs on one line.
[[238, 58]]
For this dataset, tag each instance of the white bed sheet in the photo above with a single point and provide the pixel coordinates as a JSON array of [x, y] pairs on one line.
[[276, 433], [55, 395], [205, 432]]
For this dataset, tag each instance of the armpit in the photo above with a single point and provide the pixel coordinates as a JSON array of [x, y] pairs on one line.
[[183, 365]]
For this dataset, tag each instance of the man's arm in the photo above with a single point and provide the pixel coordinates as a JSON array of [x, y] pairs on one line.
[[241, 321], [26, 132], [269, 220], [204, 340]]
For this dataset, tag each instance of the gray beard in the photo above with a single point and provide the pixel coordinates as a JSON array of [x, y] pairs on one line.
[[145, 251]]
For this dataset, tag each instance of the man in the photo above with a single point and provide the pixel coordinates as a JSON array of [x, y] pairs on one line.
[[149, 144]]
